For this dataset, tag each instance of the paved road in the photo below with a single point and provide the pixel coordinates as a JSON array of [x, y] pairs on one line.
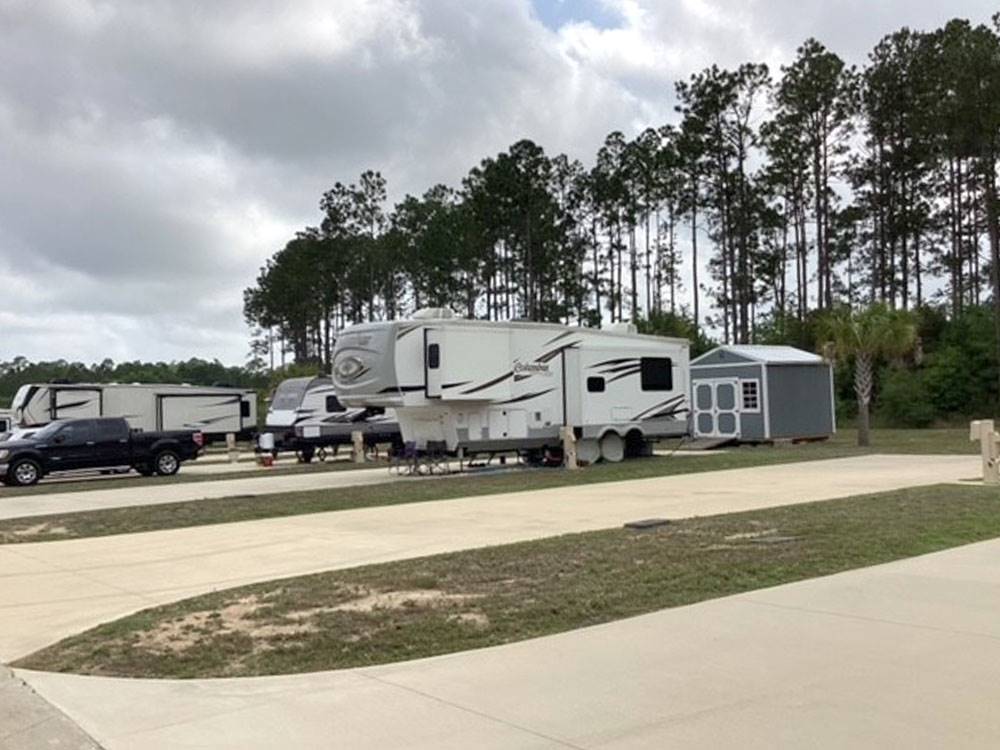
[[122, 495], [54, 589], [900, 655]]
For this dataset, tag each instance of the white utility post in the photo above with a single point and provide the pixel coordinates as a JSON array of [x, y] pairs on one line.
[[234, 455], [989, 443], [358, 447], [569, 448]]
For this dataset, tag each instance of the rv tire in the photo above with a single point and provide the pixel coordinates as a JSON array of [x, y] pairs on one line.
[[166, 463], [306, 455], [612, 447]]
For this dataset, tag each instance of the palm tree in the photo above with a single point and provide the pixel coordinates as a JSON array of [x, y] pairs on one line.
[[867, 335]]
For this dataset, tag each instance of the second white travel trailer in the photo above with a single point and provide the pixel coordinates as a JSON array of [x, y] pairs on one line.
[[214, 411], [489, 386], [305, 414]]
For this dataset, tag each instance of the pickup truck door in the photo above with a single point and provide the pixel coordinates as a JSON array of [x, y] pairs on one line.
[[72, 447], [111, 442]]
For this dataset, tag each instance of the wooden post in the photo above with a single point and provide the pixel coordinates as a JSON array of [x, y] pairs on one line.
[[569, 448], [234, 455], [358, 447], [989, 447]]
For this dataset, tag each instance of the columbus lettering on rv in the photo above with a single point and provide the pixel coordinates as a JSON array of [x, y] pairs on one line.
[[530, 368]]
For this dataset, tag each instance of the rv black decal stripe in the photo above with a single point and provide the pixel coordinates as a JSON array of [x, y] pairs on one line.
[[625, 374], [526, 397], [665, 413], [562, 335], [669, 403], [620, 368], [404, 331], [73, 404], [488, 384], [556, 352], [402, 388], [612, 362], [456, 385]]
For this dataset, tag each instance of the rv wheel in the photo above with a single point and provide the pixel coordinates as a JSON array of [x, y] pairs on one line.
[[167, 463], [612, 447], [588, 450]]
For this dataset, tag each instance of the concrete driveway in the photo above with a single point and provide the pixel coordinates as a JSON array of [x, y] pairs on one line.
[[54, 589], [900, 655]]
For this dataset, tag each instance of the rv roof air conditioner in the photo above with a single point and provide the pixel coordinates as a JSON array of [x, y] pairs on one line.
[[622, 328], [433, 313]]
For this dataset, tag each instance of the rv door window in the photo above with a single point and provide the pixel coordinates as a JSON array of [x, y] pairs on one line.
[[595, 385], [433, 356], [656, 373], [245, 409], [333, 405]]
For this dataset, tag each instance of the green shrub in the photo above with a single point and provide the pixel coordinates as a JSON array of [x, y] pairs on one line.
[[904, 400]]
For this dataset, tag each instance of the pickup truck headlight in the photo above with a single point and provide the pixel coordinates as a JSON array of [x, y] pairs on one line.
[[4, 454]]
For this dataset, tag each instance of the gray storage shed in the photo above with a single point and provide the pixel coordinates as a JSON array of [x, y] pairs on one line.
[[758, 393]]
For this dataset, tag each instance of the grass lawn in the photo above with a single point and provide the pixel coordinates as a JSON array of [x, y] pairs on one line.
[[494, 595], [227, 510], [95, 481]]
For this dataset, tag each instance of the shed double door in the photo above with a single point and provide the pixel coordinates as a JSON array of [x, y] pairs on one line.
[[717, 408]]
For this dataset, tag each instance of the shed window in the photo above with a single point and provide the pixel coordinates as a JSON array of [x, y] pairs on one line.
[[433, 356], [333, 405], [656, 373], [595, 385], [751, 395]]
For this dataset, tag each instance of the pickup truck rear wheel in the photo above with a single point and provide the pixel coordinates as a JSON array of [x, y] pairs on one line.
[[167, 463], [24, 473]]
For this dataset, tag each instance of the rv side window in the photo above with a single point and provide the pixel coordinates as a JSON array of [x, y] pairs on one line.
[[657, 373], [333, 405], [433, 356], [595, 385], [245, 409]]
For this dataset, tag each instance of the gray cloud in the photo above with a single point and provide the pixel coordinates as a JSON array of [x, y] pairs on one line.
[[153, 153]]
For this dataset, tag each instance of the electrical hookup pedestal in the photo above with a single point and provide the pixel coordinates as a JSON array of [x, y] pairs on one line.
[[989, 443]]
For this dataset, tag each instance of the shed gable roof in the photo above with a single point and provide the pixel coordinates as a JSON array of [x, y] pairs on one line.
[[759, 353]]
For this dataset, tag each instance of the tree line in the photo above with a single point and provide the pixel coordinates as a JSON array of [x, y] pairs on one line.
[[801, 190]]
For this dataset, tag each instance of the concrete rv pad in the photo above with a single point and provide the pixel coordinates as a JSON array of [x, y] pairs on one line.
[[899, 655], [54, 589]]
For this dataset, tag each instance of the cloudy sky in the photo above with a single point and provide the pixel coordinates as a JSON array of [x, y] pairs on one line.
[[154, 152]]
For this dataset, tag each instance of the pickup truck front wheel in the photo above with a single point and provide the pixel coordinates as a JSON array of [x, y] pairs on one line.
[[167, 463], [24, 473]]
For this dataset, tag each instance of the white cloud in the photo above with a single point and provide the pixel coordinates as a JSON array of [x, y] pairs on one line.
[[153, 153]]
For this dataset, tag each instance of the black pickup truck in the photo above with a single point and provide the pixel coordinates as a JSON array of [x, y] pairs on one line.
[[80, 444]]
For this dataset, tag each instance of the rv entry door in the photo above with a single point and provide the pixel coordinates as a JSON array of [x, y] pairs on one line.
[[433, 353]]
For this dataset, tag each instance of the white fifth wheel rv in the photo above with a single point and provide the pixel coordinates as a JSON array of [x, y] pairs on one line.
[[305, 414], [490, 386], [212, 410]]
